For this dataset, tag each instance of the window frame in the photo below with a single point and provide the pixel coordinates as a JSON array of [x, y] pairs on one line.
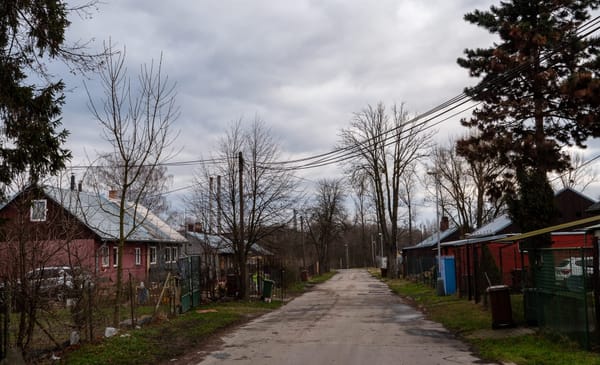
[[174, 254], [152, 257], [39, 210], [104, 256], [138, 256], [171, 253], [167, 254]]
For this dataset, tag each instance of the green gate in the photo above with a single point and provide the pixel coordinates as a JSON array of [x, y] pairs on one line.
[[189, 269]]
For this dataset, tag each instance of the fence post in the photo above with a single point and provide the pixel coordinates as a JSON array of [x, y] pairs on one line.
[[596, 278], [585, 299], [3, 326], [89, 312], [132, 301], [282, 284]]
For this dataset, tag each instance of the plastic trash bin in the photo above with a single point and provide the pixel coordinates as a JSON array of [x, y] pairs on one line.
[[232, 285], [501, 308], [268, 289], [384, 272], [304, 275]]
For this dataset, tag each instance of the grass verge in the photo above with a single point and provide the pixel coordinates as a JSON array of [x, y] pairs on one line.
[[466, 318]]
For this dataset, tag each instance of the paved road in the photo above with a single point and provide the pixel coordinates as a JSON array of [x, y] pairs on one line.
[[351, 319]]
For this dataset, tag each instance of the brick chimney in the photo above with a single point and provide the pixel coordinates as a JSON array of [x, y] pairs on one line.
[[113, 194], [444, 224]]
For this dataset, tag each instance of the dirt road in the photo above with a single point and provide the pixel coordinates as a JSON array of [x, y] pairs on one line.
[[351, 319]]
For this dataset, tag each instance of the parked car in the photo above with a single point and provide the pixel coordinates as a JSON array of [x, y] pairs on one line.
[[574, 266], [57, 280]]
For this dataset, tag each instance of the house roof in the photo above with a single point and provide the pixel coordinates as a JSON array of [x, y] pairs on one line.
[[493, 227], [582, 195], [474, 240], [432, 240], [594, 208], [215, 242], [101, 215], [223, 246]]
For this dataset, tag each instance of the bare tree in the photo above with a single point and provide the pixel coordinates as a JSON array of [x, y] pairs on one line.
[[385, 146], [137, 122], [465, 188], [363, 208], [267, 198], [407, 196], [326, 219], [578, 176], [154, 181]]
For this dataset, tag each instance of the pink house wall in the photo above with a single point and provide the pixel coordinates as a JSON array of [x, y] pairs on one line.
[[138, 271]]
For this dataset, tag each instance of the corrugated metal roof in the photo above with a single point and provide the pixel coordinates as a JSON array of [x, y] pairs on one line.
[[224, 246], [101, 215], [493, 227], [474, 240], [432, 240], [215, 242]]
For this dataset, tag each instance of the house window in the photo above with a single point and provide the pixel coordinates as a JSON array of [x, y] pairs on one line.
[[167, 255], [174, 255], [170, 255], [152, 255], [115, 256], [38, 210], [138, 256], [104, 256]]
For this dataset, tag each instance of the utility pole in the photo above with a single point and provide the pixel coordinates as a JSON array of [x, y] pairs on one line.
[[302, 241], [440, 281], [373, 251], [241, 248], [347, 257], [210, 205], [219, 230]]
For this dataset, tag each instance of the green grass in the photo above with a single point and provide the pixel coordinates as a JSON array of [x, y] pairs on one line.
[[464, 317], [167, 339], [534, 350]]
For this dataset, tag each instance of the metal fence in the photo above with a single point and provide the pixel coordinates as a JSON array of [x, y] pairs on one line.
[[422, 269], [560, 293], [190, 282]]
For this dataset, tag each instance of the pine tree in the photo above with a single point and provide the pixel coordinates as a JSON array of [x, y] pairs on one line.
[[31, 33], [539, 92]]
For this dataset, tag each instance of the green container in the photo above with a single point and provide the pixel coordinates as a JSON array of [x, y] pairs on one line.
[[268, 288]]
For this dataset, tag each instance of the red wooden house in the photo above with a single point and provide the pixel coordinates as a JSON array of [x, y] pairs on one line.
[[46, 226]]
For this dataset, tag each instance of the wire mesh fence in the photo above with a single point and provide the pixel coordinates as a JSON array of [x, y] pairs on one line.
[[559, 293]]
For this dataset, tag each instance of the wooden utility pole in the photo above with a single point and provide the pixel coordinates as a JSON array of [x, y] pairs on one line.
[[241, 247], [219, 210], [210, 205], [302, 240], [241, 173]]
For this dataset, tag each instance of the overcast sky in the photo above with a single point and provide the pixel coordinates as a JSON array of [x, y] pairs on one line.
[[303, 66]]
